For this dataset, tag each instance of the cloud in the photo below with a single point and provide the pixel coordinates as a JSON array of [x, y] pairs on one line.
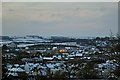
[[0, 18], [61, 1], [49, 18], [49, 12]]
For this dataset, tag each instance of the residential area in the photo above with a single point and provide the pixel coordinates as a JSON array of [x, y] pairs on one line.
[[60, 58]]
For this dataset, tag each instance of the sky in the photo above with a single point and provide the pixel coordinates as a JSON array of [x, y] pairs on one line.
[[60, 0], [69, 19], [0, 18]]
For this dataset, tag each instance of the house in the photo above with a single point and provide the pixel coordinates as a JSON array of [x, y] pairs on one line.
[[48, 58], [8, 55], [12, 45]]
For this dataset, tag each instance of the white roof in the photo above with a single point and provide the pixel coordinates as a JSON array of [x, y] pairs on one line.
[[79, 54], [9, 66], [16, 65], [71, 55], [48, 58], [13, 74], [5, 42], [16, 69], [25, 45], [30, 40], [43, 72], [50, 65]]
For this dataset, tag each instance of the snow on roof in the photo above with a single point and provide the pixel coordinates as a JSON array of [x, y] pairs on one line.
[[30, 40], [54, 48], [13, 74], [22, 65], [30, 63], [71, 58], [59, 57], [5, 42], [57, 64], [9, 66], [43, 72], [79, 54], [16, 69], [68, 47], [25, 45], [71, 55], [48, 58], [16, 65], [50, 65]]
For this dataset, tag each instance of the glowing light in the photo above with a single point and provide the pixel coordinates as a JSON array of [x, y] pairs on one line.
[[61, 50]]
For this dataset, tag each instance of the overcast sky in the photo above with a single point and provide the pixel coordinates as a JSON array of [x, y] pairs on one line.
[[73, 19]]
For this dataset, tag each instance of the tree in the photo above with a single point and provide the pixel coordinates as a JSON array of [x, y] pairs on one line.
[[4, 48], [117, 46], [117, 71], [88, 72]]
